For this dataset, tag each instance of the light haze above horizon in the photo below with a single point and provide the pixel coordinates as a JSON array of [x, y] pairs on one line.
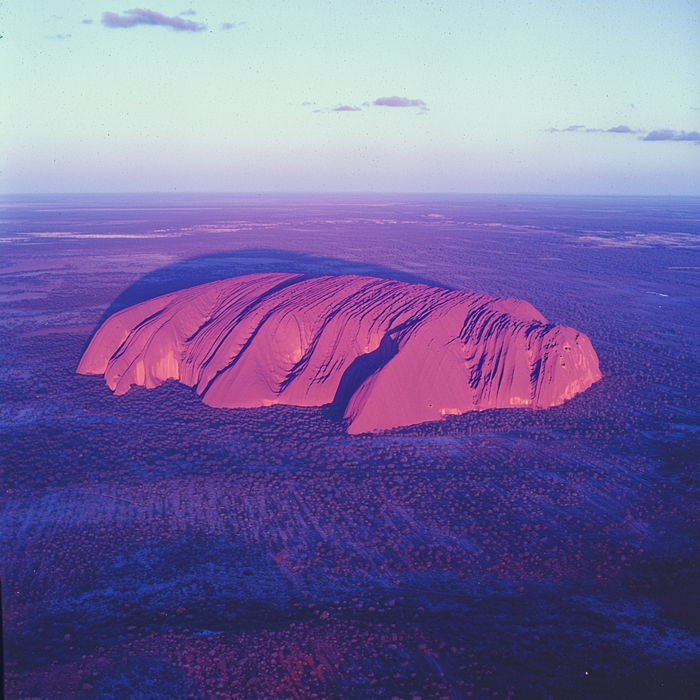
[[358, 96]]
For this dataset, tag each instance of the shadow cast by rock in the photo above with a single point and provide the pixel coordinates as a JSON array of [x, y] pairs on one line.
[[361, 369]]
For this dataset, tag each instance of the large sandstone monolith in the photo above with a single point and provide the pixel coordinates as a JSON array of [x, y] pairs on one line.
[[388, 353]]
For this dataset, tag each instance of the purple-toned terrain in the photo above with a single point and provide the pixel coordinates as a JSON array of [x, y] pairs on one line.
[[156, 545], [392, 353]]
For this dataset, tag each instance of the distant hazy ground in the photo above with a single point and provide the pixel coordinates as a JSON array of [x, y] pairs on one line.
[[157, 548]]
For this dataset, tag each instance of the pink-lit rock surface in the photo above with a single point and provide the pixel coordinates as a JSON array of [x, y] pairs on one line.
[[390, 353]]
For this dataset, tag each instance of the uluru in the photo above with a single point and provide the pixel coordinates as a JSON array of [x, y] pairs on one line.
[[387, 353]]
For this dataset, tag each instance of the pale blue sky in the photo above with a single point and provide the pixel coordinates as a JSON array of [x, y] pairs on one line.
[[87, 107]]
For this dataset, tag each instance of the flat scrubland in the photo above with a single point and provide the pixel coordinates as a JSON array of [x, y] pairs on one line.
[[154, 547]]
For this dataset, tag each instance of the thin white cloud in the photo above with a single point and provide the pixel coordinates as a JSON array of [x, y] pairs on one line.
[[672, 135], [658, 135], [132, 18], [397, 101]]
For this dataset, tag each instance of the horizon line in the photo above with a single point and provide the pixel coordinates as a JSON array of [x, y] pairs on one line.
[[337, 193]]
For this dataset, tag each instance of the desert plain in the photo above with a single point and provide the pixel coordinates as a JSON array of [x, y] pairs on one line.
[[157, 547]]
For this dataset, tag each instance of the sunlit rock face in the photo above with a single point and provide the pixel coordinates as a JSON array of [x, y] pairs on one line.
[[387, 353]]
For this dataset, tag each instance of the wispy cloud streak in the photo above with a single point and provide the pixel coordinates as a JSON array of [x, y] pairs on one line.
[[622, 129], [671, 135], [397, 101], [137, 16], [658, 135], [575, 127]]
